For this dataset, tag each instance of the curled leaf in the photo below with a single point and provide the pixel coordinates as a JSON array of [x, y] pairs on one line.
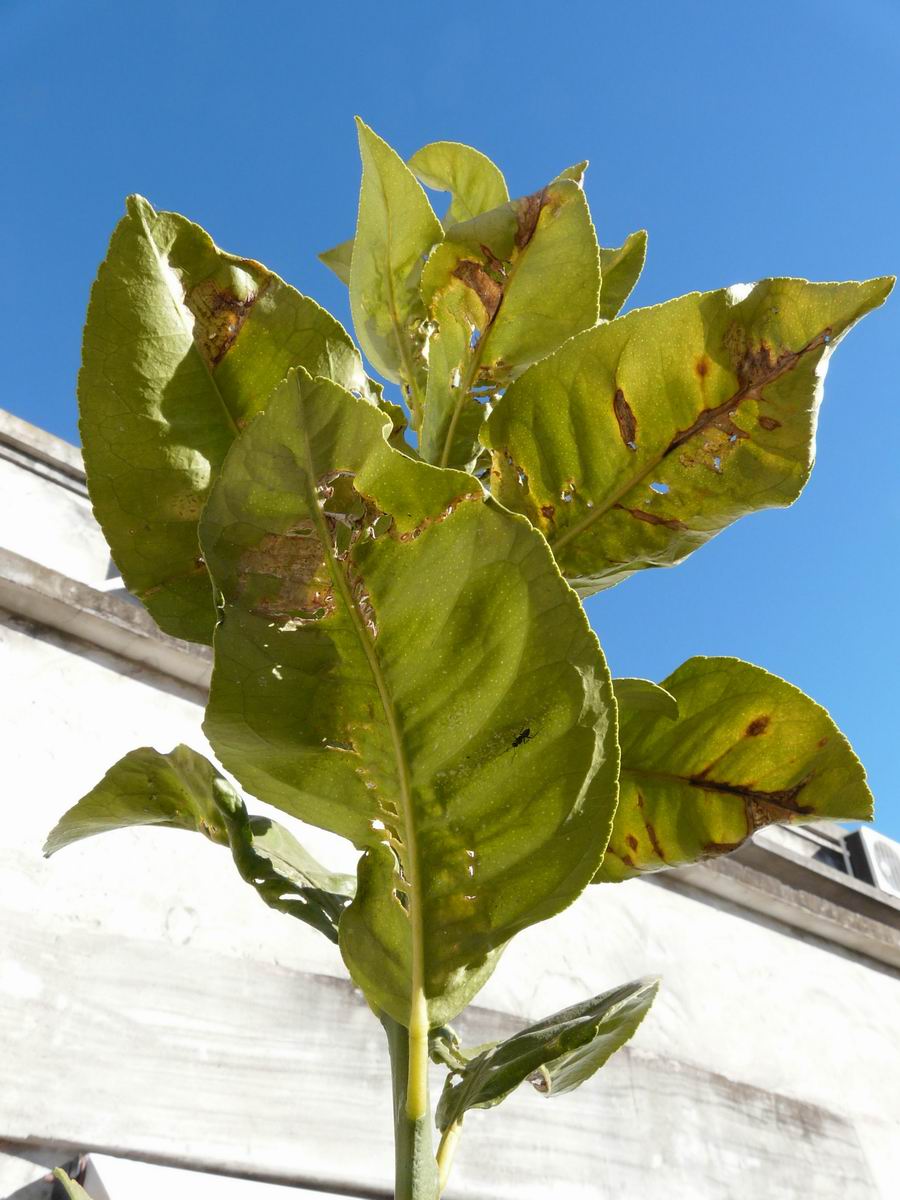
[[555, 1055], [183, 790]]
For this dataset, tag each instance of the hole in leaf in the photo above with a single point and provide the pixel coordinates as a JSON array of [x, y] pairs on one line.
[[660, 488]]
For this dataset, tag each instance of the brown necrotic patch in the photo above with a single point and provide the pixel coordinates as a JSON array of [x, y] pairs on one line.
[[757, 726], [625, 419], [714, 849], [701, 367], [528, 210], [768, 423], [218, 317], [761, 807], [487, 289], [650, 518], [285, 576], [756, 365]]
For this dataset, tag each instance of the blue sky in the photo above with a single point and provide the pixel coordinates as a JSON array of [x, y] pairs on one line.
[[749, 140]]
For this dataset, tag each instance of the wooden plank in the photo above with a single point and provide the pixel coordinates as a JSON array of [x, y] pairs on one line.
[[28, 589], [192, 1058]]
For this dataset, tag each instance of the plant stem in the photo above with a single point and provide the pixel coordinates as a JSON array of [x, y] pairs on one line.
[[446, 1151], [415, 1171]]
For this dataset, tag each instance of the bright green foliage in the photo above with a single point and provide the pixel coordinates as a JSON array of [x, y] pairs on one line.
[[621, 269], [183, 790], [475, 184], [399, 657], [473, 181], [395, 229], [339, 259], [556, 1055], [743, 750], [641, 439], [341, 696], [503, 291], [642, 696], [182, 346]]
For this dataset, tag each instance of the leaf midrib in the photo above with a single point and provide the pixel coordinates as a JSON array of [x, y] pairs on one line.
[[180, 308], [478, 353], [734, 791], [743, 393], [414, 893]]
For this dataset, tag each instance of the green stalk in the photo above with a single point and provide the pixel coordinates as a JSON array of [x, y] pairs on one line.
[[415, 1171], [446, 1151]]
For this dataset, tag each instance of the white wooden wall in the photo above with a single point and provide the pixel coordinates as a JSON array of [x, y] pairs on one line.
[[151, 1006]]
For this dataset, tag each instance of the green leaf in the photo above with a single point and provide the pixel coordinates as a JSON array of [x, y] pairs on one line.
[[556, 1055], [475, 183], [395, 230], [145, 787], [72, 1189], [182, 346], [746, 750], [398, 661], [503, 290], [621, 269], [183, 790], [338, 259], [642, 696], [286, 876], [444, 1049], [639, 440], [576, 172]]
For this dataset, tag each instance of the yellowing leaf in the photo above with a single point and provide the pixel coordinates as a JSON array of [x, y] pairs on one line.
[[182, 347], [474, 182], [745, 750], [395, 230], [639, 440], [503, 290]]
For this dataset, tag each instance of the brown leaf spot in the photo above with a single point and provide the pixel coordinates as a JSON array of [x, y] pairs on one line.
[[218, 318], [652, 518], [755, 367], [757, 726], [701, 367], [769, 423], [761, 807], [528, 209], [821, 743], [411, 534], [295, 564], [632, 841], [496, 264], [474, 276], [548, 512], [654, 842], [625, 418]]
